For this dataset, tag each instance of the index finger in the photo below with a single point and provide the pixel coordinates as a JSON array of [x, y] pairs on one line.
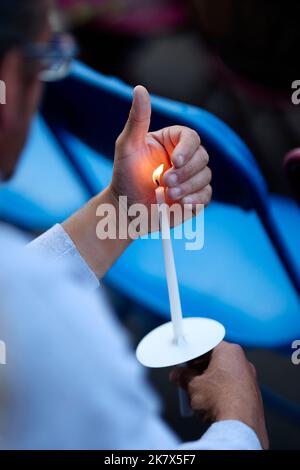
[[186, 142], [224, 351], [201, 363], [181, 376]]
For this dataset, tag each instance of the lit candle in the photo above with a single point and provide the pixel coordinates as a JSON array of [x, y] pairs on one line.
[[173, 289]]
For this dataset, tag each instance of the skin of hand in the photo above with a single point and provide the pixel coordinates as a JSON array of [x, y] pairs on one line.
[[138, 153], [226, 390]]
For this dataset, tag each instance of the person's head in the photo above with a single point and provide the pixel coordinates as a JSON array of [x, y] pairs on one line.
[[22, 23]]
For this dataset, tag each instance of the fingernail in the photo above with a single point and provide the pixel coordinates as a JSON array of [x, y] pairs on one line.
[[175, 193], [178, 160], [171, 179], [141, 103]]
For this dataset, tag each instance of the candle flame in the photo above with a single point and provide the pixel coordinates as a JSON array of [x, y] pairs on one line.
[[157, 174]]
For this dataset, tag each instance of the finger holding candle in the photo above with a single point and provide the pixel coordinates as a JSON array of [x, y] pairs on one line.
[[194, 185], [192, 167], [185, 147], [190, 184], [181, 143], [202, 198], [182, 375]]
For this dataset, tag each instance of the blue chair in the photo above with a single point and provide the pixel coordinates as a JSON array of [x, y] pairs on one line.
[[45, 189], [246, 276]]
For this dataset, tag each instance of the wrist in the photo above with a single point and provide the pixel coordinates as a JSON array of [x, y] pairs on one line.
[[99, 248], [120, 207], [109, 206], [113, 197], [242, 416]]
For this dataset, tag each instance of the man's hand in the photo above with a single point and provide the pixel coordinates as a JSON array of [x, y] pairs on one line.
[[227, 389], [139, 153]]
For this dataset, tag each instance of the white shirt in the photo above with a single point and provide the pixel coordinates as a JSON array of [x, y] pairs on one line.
[[72, 380]]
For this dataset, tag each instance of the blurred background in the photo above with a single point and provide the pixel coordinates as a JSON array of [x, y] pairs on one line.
[[237, 60]]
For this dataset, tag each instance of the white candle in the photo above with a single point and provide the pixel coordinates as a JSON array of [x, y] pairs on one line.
[[173, 289]]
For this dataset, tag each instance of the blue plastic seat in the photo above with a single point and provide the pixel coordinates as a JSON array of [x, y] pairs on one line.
[[45, 188], [34, 199]]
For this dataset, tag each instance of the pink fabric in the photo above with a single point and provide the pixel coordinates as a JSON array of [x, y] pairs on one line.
[[132, 16], [292, 156]]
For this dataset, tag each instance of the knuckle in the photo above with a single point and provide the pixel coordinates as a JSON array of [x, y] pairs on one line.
[[207, 195], [193, 385], [197, 200], [197, 138], [184, 173], [176, 128], [196, 401], [210, 193], [222, 347], [204, 156], [209, 174], [120, 141], [194, 185], [194, 135], [253, 369], [236, 348], [189, 187], [189, 170]]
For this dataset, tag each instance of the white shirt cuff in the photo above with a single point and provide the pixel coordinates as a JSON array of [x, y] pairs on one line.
[[56, 244], [226, 435]]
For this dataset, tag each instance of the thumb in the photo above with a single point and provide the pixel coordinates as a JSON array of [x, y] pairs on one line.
[[139, 119]]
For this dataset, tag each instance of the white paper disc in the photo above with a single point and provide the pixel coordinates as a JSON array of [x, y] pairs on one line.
[[158, 348]]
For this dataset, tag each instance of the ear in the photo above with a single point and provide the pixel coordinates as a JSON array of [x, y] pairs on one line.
[[11, 84]]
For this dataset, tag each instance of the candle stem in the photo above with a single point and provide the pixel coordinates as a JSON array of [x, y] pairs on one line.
[[172, 281]]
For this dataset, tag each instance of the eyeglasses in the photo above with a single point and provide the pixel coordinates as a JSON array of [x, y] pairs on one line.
[[54, 58]]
